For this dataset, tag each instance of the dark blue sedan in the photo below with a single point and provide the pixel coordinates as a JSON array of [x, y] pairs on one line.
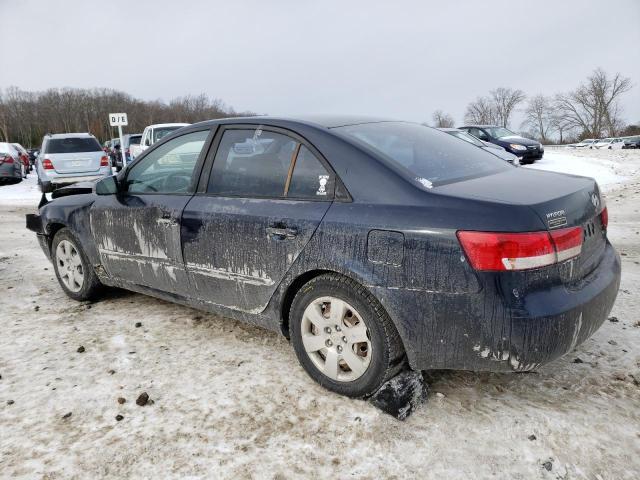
[[373, 245]]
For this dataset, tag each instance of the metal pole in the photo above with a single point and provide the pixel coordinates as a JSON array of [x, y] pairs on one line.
[[122, 154]]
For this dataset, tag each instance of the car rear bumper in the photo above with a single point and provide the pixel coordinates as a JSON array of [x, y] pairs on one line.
[[487, 331]]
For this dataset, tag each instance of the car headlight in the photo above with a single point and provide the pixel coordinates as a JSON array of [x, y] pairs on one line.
[[515, 146]]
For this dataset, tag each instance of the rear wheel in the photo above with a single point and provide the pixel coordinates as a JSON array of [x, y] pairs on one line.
[[342, 336], [73, 270]]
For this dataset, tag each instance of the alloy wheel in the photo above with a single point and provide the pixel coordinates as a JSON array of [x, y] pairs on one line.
[[69, 266]]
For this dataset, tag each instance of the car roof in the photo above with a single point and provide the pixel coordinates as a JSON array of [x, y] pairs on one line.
[[321, 121], [446, 129], [68, 135], [156, 125], [478, 126]]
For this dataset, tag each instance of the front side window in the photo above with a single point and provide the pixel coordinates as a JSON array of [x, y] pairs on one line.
[[500, 132], [169, 168], [424, 154], [257, 163], [73, 145]]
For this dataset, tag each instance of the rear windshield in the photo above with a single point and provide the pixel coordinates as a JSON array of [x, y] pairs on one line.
[[158, 133], [73, 145], [135, 139], [428, 155]]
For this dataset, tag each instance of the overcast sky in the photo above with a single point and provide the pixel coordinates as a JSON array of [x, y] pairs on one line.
[[401, 59]]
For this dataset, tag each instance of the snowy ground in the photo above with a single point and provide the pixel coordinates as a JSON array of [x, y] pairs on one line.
[[229, 400]]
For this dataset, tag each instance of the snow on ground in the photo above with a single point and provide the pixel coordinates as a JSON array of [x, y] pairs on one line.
[[26, 192], [230, 401]]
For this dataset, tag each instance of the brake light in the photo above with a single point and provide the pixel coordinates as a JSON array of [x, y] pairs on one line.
[[47, 164], [604, 216], [104, 161], [6, 159], [496, 251]]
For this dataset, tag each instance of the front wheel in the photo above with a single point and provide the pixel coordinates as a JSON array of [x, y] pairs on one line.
[[73, 269], [342, 336]]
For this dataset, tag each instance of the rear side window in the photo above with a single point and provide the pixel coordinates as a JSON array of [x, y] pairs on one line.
[[159, 133], [72, 145], [257, 163], [251, 163], [426, 155], [310, 179]]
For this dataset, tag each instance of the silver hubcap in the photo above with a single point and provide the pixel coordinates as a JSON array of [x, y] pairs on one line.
[[336, 339], [69, 266]]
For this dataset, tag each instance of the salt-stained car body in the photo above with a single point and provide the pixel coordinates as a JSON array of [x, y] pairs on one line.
[[367, 242]]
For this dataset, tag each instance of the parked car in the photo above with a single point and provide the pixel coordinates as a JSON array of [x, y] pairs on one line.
[[497, 150], [152, 134], [586, 143], [610, 144], [371, 244], [130, 140], [24, 158], [69, 158], [632, 142], [527, 150], [12, 169], [33, 154]]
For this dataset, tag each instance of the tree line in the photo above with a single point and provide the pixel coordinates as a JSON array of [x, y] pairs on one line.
[[590, 110], [25, 117]]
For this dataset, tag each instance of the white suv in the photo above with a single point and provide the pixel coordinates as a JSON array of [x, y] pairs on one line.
[[152, 134], [68, 158]]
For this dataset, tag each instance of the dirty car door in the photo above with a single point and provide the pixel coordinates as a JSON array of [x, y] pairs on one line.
[[137, 231], [266, 195]]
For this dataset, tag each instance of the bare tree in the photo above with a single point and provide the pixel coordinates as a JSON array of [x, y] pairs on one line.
[[480, 112], [505, 101], [26, 116], [593, 107], [538, 117], [442, 120]]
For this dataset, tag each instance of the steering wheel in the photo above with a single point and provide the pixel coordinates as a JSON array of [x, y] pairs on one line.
[[176, 181]]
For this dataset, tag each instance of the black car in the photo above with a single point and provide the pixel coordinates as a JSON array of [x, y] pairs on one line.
[[371, 244], [33, 154], [497, 150], [631, 143], [527, 150]]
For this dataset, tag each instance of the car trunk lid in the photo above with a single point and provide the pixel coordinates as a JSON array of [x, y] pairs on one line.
[[82, 162], [558, 200]]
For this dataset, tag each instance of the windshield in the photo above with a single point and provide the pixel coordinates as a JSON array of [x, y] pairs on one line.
[[467, 137], [499, 132], [73, 145], [159, 133], [430, 157], [135, 139]]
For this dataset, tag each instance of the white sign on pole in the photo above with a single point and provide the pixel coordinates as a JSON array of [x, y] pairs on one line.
[[119, 120]]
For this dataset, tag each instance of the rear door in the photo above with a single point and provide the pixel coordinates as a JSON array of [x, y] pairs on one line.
[[137, 232], [266, 194]]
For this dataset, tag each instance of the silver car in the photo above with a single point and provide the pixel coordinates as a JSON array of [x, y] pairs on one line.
[[11, 166], [497, 150], [68, 158]]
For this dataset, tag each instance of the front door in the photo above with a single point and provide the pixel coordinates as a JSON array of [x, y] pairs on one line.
[[137, 231], [266, 195]]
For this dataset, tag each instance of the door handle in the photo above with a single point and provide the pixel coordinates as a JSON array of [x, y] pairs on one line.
[[282, 232]]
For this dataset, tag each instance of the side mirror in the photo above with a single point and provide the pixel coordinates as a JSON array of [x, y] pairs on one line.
[[107, 186]]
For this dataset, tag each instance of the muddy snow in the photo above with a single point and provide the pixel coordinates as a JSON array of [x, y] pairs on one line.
[[228, 400]]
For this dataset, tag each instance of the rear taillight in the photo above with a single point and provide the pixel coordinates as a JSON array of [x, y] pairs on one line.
[[6, 159], [104, 161], [47, 164], [604, 217], [498, 251]]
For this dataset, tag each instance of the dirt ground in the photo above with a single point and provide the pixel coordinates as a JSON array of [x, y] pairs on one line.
[[230, 401]]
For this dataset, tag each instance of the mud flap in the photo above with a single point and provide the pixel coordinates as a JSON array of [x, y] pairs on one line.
[[402, 395]]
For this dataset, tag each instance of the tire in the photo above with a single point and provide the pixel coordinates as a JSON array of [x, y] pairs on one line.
[[74, 272], [376, 360]]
